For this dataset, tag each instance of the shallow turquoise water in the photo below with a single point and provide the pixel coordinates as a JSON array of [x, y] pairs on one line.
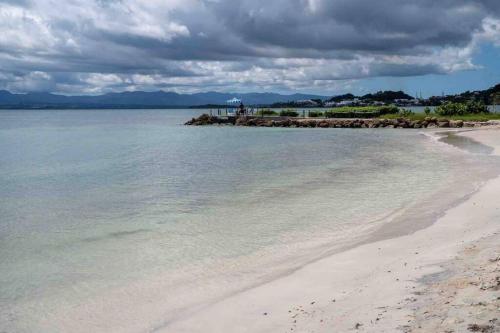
[[95, 201]]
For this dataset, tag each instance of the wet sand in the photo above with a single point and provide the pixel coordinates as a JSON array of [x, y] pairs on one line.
[[444, 278]]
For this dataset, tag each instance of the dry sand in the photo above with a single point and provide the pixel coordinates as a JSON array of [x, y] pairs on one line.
[[444, 278]]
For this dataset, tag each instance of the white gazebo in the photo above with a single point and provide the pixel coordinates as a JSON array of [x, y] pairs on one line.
[[236, 107], [233, 101]]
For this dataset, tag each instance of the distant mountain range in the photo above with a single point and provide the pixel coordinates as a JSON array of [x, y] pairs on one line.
[[141, 99], [162, 99]]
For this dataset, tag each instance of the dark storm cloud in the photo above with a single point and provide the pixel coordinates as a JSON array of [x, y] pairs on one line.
[[384, 69], [355, 25], [198, 42]]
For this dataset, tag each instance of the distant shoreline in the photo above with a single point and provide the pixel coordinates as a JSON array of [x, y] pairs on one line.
[[172, 100], [139, 107], [167, 107]]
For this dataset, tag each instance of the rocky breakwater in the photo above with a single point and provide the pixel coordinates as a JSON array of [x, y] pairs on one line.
[[206, 119], [428, 122], [351, 123]]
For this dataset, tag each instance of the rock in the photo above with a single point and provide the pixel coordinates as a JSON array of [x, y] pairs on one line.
[[403, 124], [311, 123], [394, 122], [443, 124], [242, 121], [252, 122], [456, 123], [190, 122], [301, 123], [416, 124], [204, 119]]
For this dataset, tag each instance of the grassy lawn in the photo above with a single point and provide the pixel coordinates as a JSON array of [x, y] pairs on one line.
[[355, 109], [360, 111]]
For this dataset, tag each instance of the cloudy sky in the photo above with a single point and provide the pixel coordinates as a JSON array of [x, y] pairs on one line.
[[315, 46]]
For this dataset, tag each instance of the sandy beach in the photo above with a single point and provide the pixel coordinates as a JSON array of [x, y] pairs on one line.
[[243, 166], [444, 278]]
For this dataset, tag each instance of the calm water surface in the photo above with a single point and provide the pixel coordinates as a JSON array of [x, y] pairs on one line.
[[125, 219]]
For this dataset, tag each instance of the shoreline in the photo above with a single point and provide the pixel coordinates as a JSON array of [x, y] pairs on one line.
[[393, 275]]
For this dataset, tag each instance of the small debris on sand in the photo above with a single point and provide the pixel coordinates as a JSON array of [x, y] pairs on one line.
[[480, 328]]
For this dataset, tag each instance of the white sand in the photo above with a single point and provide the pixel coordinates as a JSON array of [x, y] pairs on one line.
[[423, 282]]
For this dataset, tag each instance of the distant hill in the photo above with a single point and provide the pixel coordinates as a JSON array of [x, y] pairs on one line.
[[141, 99], [485, 96], [340, 98], [387, 96]]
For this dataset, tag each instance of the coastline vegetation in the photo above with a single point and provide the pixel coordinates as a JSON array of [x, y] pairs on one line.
[[266, 112], [470, 107], [289, 113], [315, 114], [361, 111], [468, 111]]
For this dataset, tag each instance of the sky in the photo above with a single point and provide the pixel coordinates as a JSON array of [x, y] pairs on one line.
[[325, 47]]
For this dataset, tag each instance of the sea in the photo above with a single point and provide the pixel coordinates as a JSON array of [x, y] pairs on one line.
[[127, 220]]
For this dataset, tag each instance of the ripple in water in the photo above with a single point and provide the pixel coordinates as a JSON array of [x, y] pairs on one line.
[[125, 216]]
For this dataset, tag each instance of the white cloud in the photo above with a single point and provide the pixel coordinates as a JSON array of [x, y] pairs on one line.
[[190, 45], [23, 30], [491, 31]]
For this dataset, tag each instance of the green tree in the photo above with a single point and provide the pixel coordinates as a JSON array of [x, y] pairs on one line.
[[476, 107], [451, 109]]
